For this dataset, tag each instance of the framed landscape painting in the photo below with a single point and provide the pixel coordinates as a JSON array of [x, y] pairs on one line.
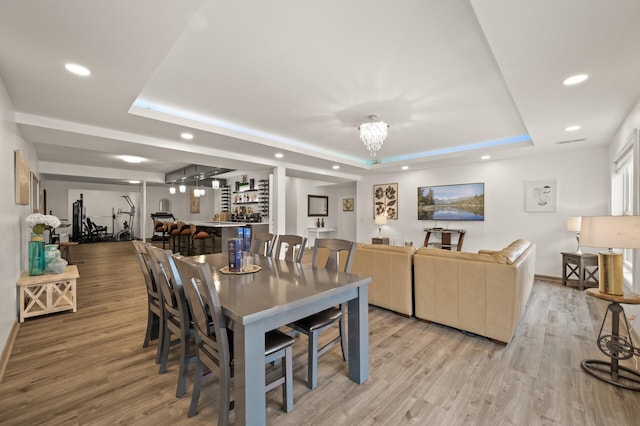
[[451, 202]]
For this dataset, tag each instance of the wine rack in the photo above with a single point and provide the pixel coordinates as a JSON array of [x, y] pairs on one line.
[[263, 197]]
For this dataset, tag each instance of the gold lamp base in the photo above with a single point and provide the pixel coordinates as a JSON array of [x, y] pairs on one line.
[[610, 272]]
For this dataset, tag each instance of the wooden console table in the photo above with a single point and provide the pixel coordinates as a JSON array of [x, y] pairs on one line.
[[615, 346], [580, 268], [48, 293], [445, 238]]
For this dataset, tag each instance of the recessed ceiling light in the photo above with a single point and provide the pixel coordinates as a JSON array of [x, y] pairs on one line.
[[572, 128], [131, 159], [279, 155], [77, 69], [134, 181], [186, 135], [405, 167], [336, 167], [485, 157], [575, 79]]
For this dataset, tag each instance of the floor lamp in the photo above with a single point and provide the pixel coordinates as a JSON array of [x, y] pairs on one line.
[[614, 232]]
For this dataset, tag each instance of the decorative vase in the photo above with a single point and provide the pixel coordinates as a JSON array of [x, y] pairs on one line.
[[36, 255]]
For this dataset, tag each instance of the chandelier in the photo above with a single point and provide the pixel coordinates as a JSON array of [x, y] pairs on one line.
[[373, 134]]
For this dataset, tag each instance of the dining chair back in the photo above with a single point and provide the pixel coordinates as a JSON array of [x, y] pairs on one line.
[[176, 319], [329, 254], [262, 243], [154, 299], [334, 254], [213, 348], [295, 247]]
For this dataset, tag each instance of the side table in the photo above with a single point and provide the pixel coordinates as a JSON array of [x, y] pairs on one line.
[[615, 346], [47, 293], [580, 268]]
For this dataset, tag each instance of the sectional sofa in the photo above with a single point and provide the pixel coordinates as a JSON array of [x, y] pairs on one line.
[[484, 293]]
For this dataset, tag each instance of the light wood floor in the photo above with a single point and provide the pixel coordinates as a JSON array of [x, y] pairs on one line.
[[89, 367]]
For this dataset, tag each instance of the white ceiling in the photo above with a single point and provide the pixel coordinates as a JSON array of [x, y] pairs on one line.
[[454, 79]]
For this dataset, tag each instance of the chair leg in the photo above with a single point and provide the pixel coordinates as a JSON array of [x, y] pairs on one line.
[[287, 386], [166, 343], [343, 339], [312, 364], [184, 362], [151, 324], [197, 384], [225, 396], [161, 335]]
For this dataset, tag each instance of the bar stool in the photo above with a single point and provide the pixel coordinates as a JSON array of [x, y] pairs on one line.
[[187, 234], [202, 236], [175, 235]]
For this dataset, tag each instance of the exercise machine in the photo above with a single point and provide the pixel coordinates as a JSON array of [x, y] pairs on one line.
[[126, 233]]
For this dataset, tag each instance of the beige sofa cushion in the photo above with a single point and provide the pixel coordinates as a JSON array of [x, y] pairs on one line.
[[390, 269], [461, 255]]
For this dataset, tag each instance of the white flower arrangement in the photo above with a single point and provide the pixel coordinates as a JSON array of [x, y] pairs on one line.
[[41, 222]]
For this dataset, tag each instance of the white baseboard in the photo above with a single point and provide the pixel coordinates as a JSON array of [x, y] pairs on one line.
[[6, 352]]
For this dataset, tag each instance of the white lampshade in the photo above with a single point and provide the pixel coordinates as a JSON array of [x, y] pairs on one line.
[[182, 188], [381, 219], [610, 231], [573, 223], [172, 189]]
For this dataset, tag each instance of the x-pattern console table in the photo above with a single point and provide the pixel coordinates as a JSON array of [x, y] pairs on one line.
[[48, 293], [580, 268]]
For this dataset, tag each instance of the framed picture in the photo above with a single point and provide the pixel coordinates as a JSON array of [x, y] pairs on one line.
[[540, 195], [194, 203], [451, 202], [347, 204], [385, 200], [22, 178]]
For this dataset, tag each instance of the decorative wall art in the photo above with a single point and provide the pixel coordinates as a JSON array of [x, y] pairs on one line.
[[22, 178], [540, 195], [194, 203], [451, 202], [385, 200], [347, 204]]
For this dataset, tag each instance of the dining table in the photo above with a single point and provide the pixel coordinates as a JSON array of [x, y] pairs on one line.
[[279, 293]]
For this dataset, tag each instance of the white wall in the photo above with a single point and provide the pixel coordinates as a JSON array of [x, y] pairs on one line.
[[14, 230], [297, 191], [583, 189]]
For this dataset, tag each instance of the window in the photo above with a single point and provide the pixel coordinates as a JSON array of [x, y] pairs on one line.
[[625, 199]]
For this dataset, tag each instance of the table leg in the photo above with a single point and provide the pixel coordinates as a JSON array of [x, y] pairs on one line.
[[581, 275], [358, 340], [610, 371], [249, 375]]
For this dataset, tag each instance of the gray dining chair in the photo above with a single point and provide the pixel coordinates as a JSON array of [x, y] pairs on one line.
[[262, 243], [294, 247], [213, 341], [154, 299], [176, 321], [315, 324]]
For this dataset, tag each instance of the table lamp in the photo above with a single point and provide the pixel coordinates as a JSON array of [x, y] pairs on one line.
[[621, 232], [380, 220], [573, 225]]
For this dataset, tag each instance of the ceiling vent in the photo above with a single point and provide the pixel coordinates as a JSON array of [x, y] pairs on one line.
[[571, 141]]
